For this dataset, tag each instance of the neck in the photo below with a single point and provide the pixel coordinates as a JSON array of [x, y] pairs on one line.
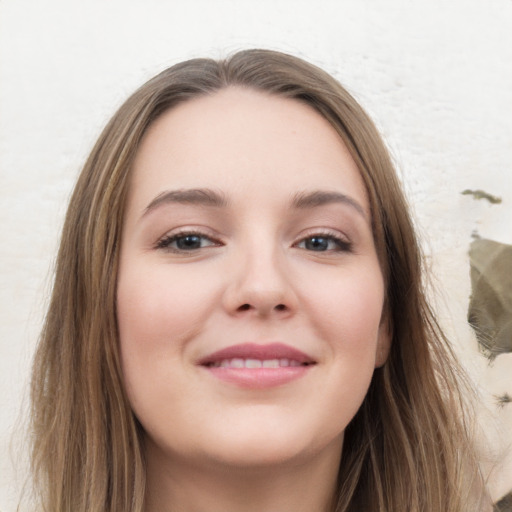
[[210, 487]]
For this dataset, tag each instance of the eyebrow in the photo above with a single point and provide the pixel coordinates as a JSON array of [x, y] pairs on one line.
[[194, 196], [304, 200], [211, 198]]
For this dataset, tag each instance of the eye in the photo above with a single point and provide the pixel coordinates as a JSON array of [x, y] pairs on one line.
[[323, 243], [186, 242]]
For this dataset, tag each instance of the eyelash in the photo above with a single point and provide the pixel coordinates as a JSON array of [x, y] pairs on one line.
[[164, 243], [342, 244]]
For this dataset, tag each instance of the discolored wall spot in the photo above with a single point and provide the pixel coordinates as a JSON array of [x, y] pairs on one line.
[[503, 400], [490, 307], [481, 194]]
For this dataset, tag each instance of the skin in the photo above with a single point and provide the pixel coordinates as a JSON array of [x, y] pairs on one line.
[[255, 274]]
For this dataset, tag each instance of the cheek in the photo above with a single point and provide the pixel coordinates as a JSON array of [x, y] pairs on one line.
[[154, 308], [346, 309], [157, 314], [347, 313]]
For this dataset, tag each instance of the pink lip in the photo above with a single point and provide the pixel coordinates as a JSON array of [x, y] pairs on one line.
[[258, 378], [256, 351]]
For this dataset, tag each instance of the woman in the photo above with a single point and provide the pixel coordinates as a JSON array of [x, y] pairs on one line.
[[238, 320]]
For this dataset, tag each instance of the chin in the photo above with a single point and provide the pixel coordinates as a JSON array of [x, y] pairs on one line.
[[268, 445], [254, 457]]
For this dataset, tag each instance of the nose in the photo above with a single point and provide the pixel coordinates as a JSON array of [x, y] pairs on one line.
[[260, 286]]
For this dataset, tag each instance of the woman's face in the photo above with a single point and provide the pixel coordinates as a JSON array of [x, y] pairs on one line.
[[250, 295]]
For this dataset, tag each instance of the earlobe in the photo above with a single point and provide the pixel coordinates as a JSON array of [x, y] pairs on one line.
[[384, 340]]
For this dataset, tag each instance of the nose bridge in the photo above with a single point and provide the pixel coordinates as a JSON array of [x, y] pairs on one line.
[[264, 267], [260, 277]]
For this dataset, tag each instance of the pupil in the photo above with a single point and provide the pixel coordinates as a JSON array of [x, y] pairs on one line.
[[317, 244], [189, 242]]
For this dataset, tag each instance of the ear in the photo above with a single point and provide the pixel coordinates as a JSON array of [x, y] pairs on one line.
[[385, 336]]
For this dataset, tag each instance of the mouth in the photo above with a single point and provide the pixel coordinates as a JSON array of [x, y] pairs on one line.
[[251, 365], [237, 362]]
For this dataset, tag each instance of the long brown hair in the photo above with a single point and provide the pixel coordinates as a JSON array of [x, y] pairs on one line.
[[408, 447]]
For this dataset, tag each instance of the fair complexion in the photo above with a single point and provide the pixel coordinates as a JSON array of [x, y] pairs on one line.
[[247, 242]]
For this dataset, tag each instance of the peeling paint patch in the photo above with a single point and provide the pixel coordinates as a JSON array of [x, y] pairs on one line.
[[490, 306], [481, 194], [505, 504]]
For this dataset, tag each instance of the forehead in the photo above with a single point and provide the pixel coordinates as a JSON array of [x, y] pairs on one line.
[[240, 140]]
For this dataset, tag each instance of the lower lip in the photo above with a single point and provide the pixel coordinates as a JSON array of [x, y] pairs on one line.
[[259, 378]]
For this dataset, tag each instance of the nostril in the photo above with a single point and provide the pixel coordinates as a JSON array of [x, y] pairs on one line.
[[247, 307]]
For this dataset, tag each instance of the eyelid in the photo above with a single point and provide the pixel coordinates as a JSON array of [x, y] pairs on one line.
[[163, 243], [343, 241]]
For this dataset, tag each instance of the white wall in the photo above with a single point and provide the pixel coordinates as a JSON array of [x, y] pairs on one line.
[[435, 74]]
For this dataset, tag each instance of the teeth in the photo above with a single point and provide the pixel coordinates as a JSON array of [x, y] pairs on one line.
[[255, 363]]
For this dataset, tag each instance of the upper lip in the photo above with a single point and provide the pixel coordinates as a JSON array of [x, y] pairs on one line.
[[257, 351]]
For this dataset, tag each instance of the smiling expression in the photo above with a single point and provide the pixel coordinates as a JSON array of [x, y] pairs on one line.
[[250, 295]]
